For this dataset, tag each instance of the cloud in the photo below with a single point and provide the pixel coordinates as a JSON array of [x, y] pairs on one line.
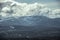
[[16, 10], [56, 13], [5, 0]]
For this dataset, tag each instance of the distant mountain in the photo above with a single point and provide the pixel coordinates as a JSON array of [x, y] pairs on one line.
[[32, 21]]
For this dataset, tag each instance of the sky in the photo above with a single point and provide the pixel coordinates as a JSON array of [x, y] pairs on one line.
[[54, 4], [18, 8]]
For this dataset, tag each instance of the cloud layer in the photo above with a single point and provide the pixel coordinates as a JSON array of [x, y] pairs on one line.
[[14, 9]]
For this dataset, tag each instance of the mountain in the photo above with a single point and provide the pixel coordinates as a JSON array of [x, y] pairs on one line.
[[31, 21]]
